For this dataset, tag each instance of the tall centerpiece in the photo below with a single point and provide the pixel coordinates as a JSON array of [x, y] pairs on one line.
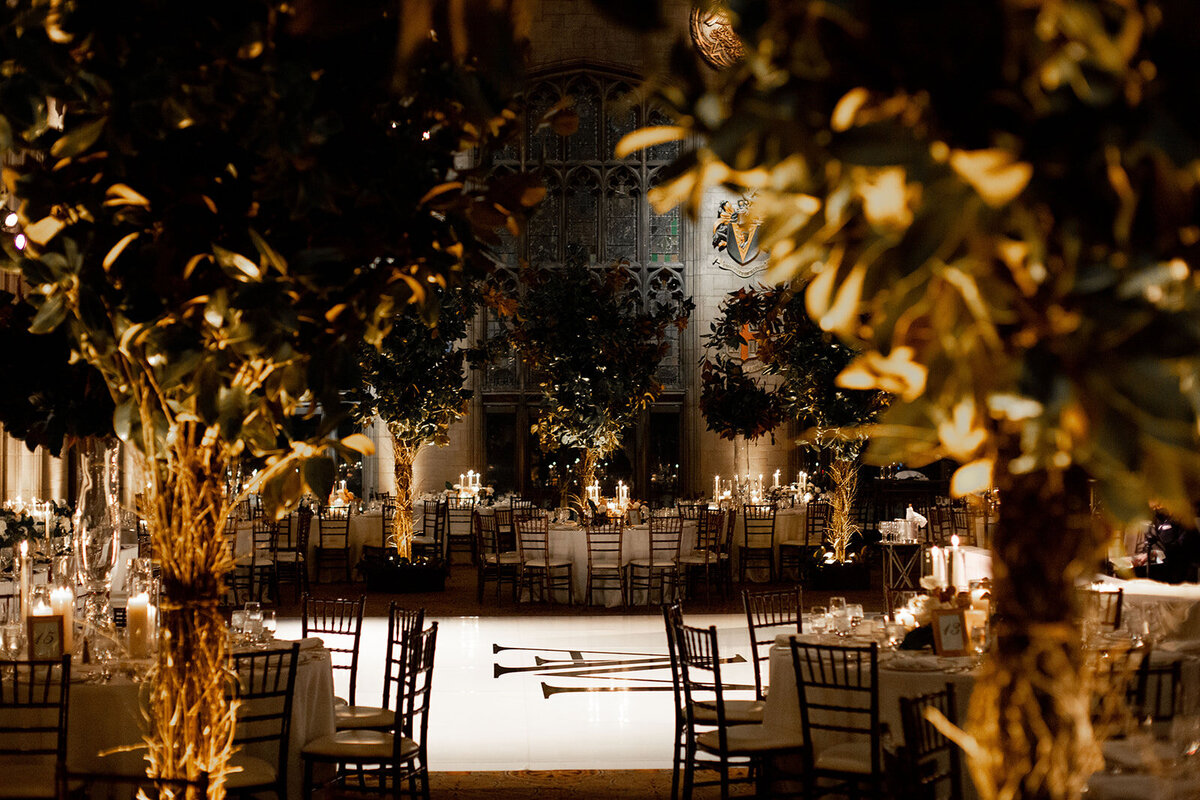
[[219, 203], [414, 382], [593, 348], [792, 375], [996, 201]]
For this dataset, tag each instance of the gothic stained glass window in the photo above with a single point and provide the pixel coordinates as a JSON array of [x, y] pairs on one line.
[[595, 199]]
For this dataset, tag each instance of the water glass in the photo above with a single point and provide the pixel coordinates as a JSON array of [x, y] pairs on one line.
[[12, 639], [841, 621], [855, 610], [237, 623], [818, 619], [836, 602], [895, 634], [254, 620]]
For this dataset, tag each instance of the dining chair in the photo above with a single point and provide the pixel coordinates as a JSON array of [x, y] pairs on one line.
[[432, 541], [800, 553], [659, 569], [838, 687], [1101, 606], [291, 552], [929, 758], [459, 535], [263, 690], [338, 621], [537, 567], [333, 540], [256, 569], [34, 704], [770, 610], [706, 559], [758, 538], [387, 516], [402, 623], [690, 510], [378, 762], [1154, 696], [754, 745], [605, 546], [493, 562], [81, 785]]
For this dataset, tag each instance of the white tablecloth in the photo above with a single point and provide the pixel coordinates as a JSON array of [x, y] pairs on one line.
[[1172, 611], [569, 543], [107, 715]]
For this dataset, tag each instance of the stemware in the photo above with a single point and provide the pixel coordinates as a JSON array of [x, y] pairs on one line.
[[836, 602], [855, 611], [97, 531], [818, 619]]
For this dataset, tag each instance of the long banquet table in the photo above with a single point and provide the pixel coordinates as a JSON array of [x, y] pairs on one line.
[[105, 715]]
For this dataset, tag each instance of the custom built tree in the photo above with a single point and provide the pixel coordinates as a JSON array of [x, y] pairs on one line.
[[997, 201], [804, 363], [222, 201], [593, 350], [414, 382]]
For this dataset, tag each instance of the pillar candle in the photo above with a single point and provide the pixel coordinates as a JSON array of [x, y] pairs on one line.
[[62, 602], [716, 486], [776, 479], [137, 624], [25, 578]]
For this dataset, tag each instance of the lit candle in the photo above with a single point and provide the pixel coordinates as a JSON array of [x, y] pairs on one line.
[[716, 486], [937, 564], [776, 479], [462, 481], [26, 576], [952, 578], [137, 624], [62, 603]]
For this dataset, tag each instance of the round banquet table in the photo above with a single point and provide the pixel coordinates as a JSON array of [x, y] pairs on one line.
[[911, 673], [569, 543], [104, 716]]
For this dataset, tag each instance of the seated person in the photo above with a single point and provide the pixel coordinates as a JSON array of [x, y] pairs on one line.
[[1170, 551]]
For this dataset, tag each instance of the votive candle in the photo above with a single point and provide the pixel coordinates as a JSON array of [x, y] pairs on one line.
[[137, 624]]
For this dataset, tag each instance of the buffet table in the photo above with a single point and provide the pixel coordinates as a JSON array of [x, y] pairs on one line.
[[105, 714]]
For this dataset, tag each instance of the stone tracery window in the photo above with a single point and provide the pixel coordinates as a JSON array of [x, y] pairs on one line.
[[594, 199]]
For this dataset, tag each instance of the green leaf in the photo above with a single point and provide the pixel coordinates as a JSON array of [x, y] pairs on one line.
[[318, 474], [50, 315], [124, 417], [78, 139]]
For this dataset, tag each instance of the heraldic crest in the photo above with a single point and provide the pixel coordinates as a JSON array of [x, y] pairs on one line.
[[735, 235]]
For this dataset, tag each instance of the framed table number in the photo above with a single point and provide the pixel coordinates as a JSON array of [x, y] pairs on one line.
[[950, 633], [45, 637]]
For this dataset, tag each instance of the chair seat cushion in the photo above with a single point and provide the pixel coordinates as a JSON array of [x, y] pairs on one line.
[[546, 563], [737, 712], [349, 717], [358, 746], [644, 563], [260, 561], [697, 558], [749, 739], [288, 556], [846, 757], [502, 558], [253, 772]]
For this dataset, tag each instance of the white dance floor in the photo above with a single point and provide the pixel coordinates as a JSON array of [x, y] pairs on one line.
[[516, 693]]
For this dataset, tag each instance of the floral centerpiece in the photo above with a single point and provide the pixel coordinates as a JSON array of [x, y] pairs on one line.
[[19, 522]]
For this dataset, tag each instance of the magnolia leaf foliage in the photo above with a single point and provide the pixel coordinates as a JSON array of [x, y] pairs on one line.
[[414, 380], [592, 347], [793, 374], [223, 201], [996, 203]]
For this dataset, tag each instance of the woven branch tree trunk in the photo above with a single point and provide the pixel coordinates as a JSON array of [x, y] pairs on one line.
[[191, 721], [404, 455], [1030, 712], [844, 474], [587, 471]]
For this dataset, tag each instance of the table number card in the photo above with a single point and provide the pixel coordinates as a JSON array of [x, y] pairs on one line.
[[45, 637], [950, 633]]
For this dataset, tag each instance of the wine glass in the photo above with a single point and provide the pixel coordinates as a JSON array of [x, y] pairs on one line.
[[818, 619], [855, 610]]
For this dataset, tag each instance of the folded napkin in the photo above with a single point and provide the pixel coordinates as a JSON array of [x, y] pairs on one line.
[[312, 643], [913, 517]]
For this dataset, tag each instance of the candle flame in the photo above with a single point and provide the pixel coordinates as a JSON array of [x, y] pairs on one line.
[[954, 540], [24, 548]]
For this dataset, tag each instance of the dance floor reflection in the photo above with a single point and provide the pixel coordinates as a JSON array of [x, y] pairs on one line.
[[551, 692]]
